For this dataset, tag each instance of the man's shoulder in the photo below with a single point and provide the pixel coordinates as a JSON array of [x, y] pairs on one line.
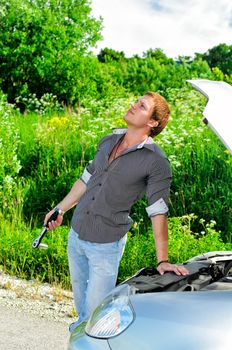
[[155, 148], [105, 138], [158, 159]]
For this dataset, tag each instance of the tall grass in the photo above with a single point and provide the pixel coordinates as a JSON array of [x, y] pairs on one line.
[[58, 147], [202, 167], [51, 265], [52, 150], [184, 243], [41, 157]]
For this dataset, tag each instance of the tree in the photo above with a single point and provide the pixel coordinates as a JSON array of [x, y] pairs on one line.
[[158, 55], [108, 55], [44, 46], [220, 56]]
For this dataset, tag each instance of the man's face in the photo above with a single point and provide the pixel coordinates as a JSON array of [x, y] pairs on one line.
[[139, 115]]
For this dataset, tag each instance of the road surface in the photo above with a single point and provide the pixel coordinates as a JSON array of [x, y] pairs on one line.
[[22, 331]]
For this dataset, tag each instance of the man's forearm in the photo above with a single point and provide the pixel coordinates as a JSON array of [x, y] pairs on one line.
[[160, 232], [73, 196]]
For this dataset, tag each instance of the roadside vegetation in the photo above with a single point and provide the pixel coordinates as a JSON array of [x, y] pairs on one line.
[[54, 111]]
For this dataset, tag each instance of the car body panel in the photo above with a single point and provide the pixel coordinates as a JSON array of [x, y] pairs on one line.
[[179, 317], [218, 111], [179, 320], [79, 340]]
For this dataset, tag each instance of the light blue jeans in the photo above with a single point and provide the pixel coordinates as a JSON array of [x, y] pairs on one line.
[[94, 270]]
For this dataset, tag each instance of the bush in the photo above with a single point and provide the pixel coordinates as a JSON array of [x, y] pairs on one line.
[[43, 47], [9, 161], [183, 244], [54, 149], [18, 258], [200, 163]]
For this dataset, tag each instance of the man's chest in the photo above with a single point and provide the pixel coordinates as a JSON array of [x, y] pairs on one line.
[[128, 168]]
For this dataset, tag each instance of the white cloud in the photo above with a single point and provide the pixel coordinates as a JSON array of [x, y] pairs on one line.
[[177, 27]]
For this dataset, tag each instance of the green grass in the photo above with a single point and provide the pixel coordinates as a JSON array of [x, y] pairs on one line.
[[54, 150], [41, 157], [18, 258]]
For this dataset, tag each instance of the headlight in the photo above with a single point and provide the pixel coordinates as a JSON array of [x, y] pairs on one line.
[[113, 315]]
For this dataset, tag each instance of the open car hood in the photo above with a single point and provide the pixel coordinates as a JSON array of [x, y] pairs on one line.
[[218, 111]]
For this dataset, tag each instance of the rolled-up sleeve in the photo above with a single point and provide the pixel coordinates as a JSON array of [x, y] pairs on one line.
[[89, 170], [158, 187], [86, 175]]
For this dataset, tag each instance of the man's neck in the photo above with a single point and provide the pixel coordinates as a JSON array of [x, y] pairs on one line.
[[133, 138]]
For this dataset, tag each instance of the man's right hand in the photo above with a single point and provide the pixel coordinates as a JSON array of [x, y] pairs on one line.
[[54, 223]]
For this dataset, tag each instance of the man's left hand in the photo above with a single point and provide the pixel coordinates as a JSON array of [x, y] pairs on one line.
[[168, 267]]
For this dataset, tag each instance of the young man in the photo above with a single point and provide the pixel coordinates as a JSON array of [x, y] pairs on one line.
[[127, 164]]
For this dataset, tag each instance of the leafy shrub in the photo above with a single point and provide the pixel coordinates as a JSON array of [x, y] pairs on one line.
[[43, 47], [18, 258], [183, 244], [200, 163], [9, 161], [46, 104], [54, 149]]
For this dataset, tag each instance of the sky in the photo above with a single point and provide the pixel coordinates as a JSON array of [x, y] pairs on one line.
[[178, 27]]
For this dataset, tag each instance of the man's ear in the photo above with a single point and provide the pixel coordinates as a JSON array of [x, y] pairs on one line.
[[153, 123]]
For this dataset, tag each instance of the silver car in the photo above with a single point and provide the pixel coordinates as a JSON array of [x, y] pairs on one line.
[[149, 311]]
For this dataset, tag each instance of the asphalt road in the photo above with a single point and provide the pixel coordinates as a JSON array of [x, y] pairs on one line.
[[22, 331]]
